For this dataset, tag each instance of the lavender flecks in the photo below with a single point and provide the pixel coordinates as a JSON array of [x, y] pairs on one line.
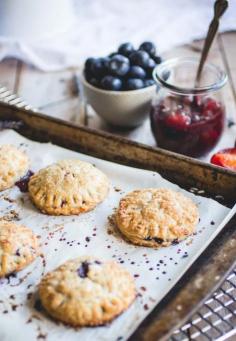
[[14, 307], [185, 255], [98, 262], [230, 123]]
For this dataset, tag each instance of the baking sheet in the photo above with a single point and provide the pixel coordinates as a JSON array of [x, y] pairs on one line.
[[63, 238]]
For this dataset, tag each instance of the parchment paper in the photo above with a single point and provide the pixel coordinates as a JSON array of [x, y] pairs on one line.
[[63, 238]]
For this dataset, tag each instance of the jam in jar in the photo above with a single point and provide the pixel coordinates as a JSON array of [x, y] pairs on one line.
[[184, 119]]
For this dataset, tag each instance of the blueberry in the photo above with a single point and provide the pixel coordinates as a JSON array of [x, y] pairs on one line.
[[148, 82], [105, 62], [150, 67], [134, 84], [157, 59], [136, 71], [111, 83], [99, 67], [93, 81], [88, 64], [149, 47], [118, 65], [126, 49], [140, 58], [151, 63]]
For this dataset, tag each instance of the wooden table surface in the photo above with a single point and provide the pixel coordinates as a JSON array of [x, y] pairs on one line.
[[56, 94]]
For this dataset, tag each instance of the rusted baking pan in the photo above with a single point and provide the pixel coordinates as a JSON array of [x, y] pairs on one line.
[[212, 266]]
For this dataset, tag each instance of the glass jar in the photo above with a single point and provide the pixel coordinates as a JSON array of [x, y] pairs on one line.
[[187, 119]]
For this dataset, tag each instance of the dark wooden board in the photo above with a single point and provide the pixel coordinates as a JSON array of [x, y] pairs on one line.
[[212, 266]]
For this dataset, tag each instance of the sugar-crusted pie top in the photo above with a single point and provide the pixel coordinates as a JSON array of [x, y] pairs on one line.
[[68, 187], [156, 217], [87, 291], [18, 247]]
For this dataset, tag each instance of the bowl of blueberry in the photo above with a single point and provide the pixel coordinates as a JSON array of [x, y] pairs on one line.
[[120, 87]]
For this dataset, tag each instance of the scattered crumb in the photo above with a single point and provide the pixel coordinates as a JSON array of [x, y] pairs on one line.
[[11, 216], [9, 200]]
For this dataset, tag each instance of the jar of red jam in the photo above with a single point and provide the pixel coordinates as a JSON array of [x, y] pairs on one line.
[[186, 118]]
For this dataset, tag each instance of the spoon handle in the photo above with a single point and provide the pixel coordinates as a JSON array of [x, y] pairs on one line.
[[219, 9]]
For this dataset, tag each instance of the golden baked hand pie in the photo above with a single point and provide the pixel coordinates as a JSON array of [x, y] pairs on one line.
[[156, 217], [18, 247], [87, 291], [14, 164], [68, 187]]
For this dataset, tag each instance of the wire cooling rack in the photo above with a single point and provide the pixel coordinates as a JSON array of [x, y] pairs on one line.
[[216, 318]]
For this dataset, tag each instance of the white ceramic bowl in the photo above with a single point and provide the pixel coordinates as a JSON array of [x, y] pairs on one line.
[[120, 108]]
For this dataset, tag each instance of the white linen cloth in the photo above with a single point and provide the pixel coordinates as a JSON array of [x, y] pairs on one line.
[[101, 25]]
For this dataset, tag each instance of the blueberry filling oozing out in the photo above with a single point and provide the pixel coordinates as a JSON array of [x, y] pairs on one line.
[[157, 240], [22, 184], [83, 270], [38, 305], [18, 252]]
